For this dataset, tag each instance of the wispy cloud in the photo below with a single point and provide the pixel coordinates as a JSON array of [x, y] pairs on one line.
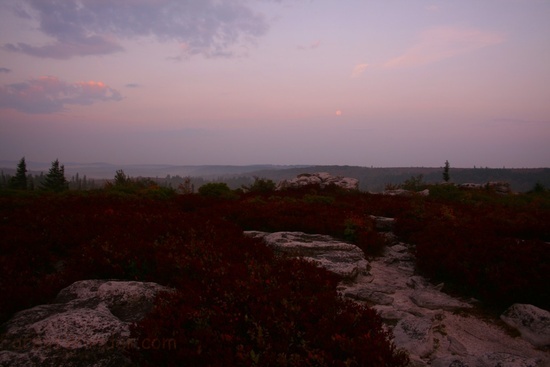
[[83, 46], [133, 85], [442, 43], [94, 27], [5, 70], [49, 95], [358, 70]]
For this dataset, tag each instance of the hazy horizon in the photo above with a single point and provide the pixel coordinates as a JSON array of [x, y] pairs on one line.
[[281, 82]]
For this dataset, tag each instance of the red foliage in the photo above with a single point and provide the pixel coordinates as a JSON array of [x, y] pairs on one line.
[[490, 251], [235, 302]]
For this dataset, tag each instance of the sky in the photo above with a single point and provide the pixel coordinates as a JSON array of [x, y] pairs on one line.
[[383, 83]]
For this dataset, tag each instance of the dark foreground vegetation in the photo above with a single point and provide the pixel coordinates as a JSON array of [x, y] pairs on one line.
[[236, 302]]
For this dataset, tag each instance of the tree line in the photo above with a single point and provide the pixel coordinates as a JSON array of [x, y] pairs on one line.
[[54, 180]]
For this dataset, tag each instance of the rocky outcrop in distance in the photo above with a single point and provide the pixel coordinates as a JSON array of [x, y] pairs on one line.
[[497, 186], [323, 179]]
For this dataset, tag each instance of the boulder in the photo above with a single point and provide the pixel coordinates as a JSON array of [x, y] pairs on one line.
[[323, 179], [499, 187], [383, 224], [533, 323], [87, 324], [339, 257]]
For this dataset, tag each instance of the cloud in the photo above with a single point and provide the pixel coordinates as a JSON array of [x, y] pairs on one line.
[[133, 85], [442, 43], [5, 70], [358, 70], [49, 95], [95, 27]]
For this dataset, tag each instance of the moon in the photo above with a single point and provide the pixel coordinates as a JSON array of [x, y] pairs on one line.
[[338, 112]]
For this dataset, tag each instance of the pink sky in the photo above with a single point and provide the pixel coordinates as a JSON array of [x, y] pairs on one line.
[[368, 83]]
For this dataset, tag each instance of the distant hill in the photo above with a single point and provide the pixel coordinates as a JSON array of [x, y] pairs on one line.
[[370, 178], [103, 170]]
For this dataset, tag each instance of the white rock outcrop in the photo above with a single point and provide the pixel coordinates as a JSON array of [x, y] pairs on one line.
[[86, 325], [341, 258], [532, 322], [323, 179], [435, 328]]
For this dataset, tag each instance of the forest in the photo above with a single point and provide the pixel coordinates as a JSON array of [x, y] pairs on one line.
[[372, 179], [237, 303]]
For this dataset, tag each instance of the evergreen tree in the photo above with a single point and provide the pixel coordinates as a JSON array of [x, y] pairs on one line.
[[55, 179], [19, 181], [30, 180], [446, 176], [121, 179]]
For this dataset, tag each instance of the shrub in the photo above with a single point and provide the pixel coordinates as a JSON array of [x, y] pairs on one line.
[[260, 185], [235, 302], [216, 190], [249, 307], [482, 248]]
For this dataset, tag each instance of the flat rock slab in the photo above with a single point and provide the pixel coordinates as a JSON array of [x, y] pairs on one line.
[[532, 322], [88, 324], [338, 257], [435, 300]]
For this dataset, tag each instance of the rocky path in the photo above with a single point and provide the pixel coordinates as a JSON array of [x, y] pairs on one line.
[[435, 328]]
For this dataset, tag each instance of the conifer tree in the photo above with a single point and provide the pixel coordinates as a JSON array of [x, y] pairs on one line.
[[55, 179], [19, 181], [446, 176]]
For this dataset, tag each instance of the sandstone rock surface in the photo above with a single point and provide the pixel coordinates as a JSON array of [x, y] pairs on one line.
[[87, 325], [322, 179], [435, 328], [342, 258], [532, 322]]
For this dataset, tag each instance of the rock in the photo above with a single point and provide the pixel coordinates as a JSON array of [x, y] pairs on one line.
[[398, 192], [433, 299], [373, 296], [383, 224], [339, 257], [423, 319], [454, 361], [507, 360], [322, 179], [88, 324], [415, 335], [532, 322], [499, 187], [456, 347]]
